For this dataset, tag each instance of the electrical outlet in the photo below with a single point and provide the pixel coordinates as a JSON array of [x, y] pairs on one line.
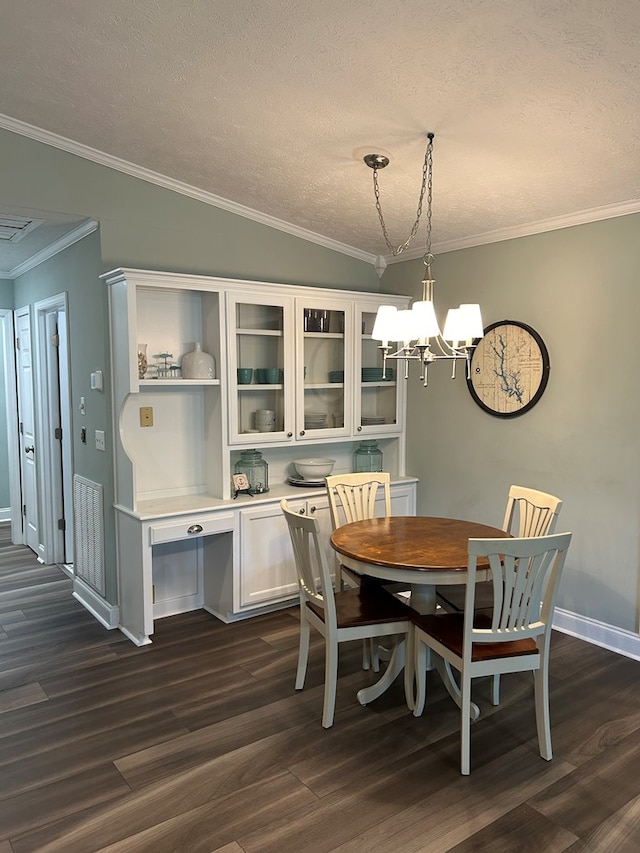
[[146, 416], [100, 440]]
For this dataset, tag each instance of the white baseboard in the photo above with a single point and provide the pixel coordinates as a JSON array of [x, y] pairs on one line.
[[599, 633], [107, 614], [5, 513]]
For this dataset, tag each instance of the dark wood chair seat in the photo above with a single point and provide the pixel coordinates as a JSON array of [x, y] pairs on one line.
[[364, 605], [448, 629], [451, 598]]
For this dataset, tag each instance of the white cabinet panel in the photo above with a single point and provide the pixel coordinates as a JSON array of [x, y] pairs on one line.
[[267, 571]]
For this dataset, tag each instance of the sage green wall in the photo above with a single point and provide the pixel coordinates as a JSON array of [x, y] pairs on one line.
[[6, 293], [75, 271], [578, 287], [146, 226]]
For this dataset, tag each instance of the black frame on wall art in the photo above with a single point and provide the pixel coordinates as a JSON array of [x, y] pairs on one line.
[[509, 369]]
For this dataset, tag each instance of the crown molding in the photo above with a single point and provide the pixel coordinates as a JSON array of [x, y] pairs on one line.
[[88, 153], [64, 242], [582, 217]]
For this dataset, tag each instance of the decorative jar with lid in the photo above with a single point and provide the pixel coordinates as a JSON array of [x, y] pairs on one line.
[[255, 469], [367, 457]]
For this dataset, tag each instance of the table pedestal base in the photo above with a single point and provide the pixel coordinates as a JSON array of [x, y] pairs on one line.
[[423, 599]]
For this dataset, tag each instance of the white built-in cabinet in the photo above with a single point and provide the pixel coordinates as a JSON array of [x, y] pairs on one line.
[[183, 540]]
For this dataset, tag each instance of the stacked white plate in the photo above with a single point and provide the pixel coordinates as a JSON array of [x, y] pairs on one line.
[[315, 420], [372, 421]]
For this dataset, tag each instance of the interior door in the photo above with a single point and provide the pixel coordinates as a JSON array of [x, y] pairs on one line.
[[26, 416], [56, 525]]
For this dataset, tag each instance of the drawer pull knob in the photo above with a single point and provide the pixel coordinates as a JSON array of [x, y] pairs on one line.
[[195, 528]]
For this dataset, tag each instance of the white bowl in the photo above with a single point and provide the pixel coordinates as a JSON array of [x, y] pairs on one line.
[[315, 468]]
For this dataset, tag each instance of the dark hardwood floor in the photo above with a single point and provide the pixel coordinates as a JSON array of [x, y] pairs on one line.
[[199, 742]]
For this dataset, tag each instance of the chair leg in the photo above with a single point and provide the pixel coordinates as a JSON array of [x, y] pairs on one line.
[[375, 654], [330, 682], [303, 651], [543, 724], [420, 674], [465, 724], [495, 692], [409, 665], [366, 654], [370, 655]]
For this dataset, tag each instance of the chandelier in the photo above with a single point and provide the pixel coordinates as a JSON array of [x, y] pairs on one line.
[[414, 334]]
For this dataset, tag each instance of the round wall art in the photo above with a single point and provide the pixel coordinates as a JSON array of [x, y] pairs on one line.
[[509, 369]]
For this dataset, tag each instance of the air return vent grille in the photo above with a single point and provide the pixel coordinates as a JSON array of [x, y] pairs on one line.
[[88, 521]]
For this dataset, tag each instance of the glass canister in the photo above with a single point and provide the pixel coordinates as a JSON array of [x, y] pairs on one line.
[[256, 470], [367, 457]]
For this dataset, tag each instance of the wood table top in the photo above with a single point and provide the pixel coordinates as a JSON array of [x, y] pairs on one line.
[[415, 543]]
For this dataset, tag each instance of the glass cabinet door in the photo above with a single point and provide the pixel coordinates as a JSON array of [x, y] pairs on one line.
[[324, 369], [379, 394], [261, 359]]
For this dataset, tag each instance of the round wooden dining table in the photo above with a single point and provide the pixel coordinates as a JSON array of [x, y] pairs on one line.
[[420, 551]]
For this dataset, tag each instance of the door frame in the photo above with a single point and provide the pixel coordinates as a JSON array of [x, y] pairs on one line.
[[13, 440], [55, 481]]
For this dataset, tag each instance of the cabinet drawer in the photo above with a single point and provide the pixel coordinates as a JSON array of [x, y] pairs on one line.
[[191, 527]]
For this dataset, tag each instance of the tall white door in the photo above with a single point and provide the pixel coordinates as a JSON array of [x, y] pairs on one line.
[[51, 367], [26, 417]]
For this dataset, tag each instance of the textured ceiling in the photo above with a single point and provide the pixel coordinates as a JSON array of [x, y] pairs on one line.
[[263, 102]]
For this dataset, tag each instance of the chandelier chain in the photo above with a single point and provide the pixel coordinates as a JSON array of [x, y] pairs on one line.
[[427, 186]]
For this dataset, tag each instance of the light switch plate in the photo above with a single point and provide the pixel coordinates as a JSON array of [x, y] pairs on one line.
[[96, 380], [100, 440]]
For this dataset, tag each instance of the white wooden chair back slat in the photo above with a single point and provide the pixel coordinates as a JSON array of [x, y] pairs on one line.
[[523, 571], [530, 512], [352, 497]]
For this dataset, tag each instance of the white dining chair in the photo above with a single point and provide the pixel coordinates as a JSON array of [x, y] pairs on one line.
[[529, 512], [357, 613], [514, 638], [354, 497]]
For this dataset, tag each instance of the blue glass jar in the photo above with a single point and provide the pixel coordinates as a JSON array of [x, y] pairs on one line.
[[367, 457], [255, 469]]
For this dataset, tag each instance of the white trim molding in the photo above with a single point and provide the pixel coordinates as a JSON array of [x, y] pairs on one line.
[[107, 614], [96, 156], [599, 633]]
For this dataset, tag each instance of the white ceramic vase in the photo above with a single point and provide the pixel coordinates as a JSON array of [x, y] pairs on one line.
[[198, 364]]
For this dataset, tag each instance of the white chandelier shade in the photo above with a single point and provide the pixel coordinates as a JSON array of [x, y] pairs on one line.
[[419, 323]]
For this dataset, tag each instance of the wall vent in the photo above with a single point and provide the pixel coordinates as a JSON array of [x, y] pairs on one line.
[[88, 520]]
